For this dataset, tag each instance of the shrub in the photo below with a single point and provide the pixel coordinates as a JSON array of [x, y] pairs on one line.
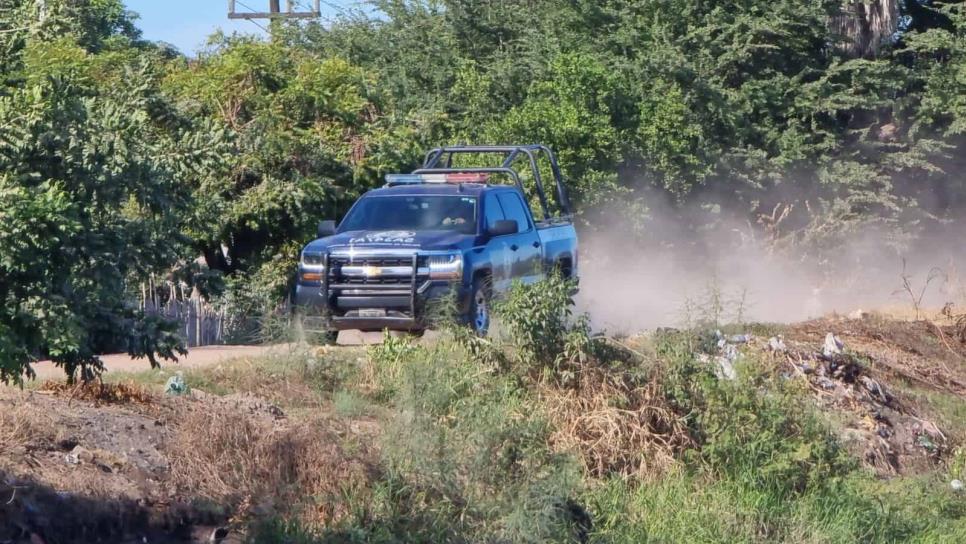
[[468, 449], [542, 331]]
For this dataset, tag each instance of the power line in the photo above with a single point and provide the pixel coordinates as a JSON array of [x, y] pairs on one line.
[[252, 21]]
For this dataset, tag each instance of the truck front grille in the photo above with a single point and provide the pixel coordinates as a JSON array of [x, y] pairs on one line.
[[373, 270]]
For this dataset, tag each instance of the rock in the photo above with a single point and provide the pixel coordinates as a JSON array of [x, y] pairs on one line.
[[859, 314], [957, 485], [775, 343], [103, 459], [79, 455], [888, 132]]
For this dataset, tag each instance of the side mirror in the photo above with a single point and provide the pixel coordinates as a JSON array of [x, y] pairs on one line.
[[503, 227], [326, 228]]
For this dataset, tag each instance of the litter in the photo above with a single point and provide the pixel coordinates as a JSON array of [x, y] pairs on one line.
[[775, 343], [176, 385], [728, 354], [832, 346]]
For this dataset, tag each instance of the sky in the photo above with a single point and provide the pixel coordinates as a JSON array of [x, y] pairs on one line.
[[186, 24]]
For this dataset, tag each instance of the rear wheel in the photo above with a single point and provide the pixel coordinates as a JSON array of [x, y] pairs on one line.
[[479, 311]]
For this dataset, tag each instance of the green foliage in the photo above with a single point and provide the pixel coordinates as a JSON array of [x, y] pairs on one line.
[[303, 130], [545, 336], [765, 467], [685, 508], [758, 431], [467, 451], [94, 181], [725, 107]]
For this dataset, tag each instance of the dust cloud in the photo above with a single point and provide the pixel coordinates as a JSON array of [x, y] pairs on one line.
[[675, 275]]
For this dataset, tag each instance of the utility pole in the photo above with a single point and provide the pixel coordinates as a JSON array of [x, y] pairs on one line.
[[275, 11]]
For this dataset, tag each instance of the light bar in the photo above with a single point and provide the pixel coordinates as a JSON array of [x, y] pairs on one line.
[[418, 179], [468, 177]]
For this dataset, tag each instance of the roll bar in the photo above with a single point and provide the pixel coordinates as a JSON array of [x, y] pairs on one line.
[[440, 161]]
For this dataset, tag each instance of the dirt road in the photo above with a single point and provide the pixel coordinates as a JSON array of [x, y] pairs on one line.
[[200, 356], [197, 357]]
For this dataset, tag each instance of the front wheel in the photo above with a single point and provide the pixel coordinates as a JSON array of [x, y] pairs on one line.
[[479, 311]]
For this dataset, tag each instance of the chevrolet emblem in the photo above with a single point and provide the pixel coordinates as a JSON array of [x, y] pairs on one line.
[[372, 271]]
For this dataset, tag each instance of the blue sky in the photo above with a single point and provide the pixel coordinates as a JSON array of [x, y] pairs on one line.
[[187, 23]]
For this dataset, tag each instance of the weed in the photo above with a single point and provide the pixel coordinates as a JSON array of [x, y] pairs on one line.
[[21, 426], [287, 376], [349, 404], [715, 308], [916, 295], [547, 340], [468, 447], [229, 457], [110, 393], [616, 424]]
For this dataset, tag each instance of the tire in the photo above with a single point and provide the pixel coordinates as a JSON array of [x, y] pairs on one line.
[[478, 317]]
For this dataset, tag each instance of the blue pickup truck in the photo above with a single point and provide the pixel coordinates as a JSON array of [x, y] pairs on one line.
[[442, 229]]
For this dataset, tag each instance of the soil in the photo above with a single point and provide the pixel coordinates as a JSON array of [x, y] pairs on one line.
[[124, 463], [862, 389], [196, 357], [925, 353], [203, 356], [75, 468]]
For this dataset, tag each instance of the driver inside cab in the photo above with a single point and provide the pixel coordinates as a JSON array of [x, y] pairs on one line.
[[460, 216]]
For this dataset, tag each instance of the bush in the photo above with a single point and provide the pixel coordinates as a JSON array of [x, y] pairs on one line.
[[467, 450], [543, 334], [763, 466]]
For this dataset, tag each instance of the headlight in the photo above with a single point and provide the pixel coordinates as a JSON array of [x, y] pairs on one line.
[[446, 267], [312, 259], [313, 266]]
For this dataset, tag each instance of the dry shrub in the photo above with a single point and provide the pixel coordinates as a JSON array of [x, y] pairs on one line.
[[258, 465], [22, 425], [616, 426], [98, 392]]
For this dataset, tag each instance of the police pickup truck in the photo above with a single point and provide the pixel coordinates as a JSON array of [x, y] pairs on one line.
[[439, 230]]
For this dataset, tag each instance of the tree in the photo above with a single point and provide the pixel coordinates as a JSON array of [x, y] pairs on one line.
[[94, 177]]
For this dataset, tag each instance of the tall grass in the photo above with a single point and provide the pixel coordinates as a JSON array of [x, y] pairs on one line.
[[547, 433]]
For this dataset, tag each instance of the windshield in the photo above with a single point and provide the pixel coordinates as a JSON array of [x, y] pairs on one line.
[[412, 212]]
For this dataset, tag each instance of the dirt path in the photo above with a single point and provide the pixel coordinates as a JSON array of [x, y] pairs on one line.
[[202, 356], [197, 357]]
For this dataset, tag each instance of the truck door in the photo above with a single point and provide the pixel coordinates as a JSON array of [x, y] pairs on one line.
[[498, 247], [525, 245]]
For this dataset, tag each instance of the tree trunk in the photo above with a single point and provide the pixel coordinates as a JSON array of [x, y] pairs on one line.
[[865, 26]]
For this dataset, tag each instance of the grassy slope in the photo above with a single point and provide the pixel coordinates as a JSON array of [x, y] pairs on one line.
[[499, 441], [466, 455]]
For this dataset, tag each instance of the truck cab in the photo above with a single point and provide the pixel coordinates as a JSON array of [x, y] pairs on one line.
[[437, 232]]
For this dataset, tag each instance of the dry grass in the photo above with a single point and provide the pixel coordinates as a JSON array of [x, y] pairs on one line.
[[22, 426], [100, 392], [616, 427], [264, 466]]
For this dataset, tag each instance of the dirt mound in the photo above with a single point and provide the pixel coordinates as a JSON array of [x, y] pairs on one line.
[[120, 463], [857, 369], [923, 352]]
